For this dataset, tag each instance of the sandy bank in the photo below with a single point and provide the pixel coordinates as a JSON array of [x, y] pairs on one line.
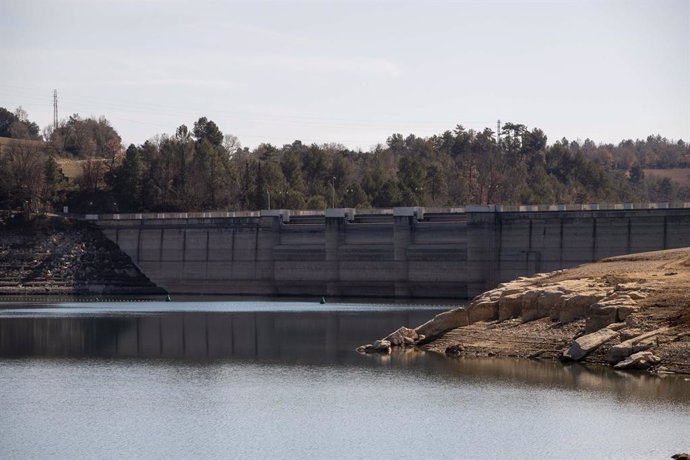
[[628, 312]]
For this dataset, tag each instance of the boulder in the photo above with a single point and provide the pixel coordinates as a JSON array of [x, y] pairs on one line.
[[380, 346], [454, 350], [482, 311], [552, 298], [509, 306], [631, 346], [444, 322], [576, 305], [630, 333], [402, 337], [639, 360], [542, 305], [601, 315], [530, 296], [625, 310], [621, 351], [582, 346]]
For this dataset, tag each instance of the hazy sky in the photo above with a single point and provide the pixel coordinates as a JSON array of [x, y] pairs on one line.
[[352, 72]]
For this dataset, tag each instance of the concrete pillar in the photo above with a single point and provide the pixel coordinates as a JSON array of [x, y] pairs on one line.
[[267, 238], [403, 226], [336, 221], [483, 249], [404, 220]]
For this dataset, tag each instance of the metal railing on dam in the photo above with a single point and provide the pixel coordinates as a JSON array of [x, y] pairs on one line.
[[408, 252]]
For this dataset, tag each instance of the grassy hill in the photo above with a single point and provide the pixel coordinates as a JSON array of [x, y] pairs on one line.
[[5, 141], [679, 175], [71, 167]]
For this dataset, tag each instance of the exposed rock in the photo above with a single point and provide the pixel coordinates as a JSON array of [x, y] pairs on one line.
[[509, 306], [454, 350], [541, 308], [494, 295], [51, 256], [618, 297], [482, 311], [637, 295], [601, 315], [443, 322], [614, 308], [530, 296], [640, 343], [576, 305], [584, 345], [639, 360], [380, 346], [610, 301], [681, 456], [625, 310], [402, 337]]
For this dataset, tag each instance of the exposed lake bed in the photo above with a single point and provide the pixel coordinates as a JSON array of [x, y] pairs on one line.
[[281, 379]]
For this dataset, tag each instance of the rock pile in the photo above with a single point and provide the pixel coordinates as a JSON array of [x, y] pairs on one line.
[[60, 258]]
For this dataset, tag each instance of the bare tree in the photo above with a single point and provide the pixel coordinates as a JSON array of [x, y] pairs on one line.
[[25, 174]]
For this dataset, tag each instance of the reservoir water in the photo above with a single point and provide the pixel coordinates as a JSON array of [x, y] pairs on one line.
[[282, 380]]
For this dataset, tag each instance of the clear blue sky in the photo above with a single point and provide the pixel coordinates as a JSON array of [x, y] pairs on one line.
[[352, 72]]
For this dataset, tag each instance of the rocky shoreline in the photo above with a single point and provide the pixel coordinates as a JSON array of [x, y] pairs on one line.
[[53, 258], [629, 312]]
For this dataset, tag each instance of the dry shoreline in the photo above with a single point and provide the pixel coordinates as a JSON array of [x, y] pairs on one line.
[[630, 312]]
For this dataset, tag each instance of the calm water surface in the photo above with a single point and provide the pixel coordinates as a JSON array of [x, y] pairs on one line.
[[281, 380]]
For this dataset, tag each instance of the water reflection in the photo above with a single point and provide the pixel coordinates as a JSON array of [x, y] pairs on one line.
[[304, 337], [314, 337], [625, 386]]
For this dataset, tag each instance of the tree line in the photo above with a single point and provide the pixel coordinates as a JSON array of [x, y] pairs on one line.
[[201, 169]]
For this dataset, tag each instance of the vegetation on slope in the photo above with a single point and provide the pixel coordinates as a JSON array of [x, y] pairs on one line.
[[83, 165]]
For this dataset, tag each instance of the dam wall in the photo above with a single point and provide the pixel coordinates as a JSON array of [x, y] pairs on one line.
[[398, 253]]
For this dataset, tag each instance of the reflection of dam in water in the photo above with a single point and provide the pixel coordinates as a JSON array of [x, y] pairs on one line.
[[309, 336], [312, 337], [316, 338]]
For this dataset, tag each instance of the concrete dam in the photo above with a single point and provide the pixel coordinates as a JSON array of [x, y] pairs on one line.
[[396, 253]]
